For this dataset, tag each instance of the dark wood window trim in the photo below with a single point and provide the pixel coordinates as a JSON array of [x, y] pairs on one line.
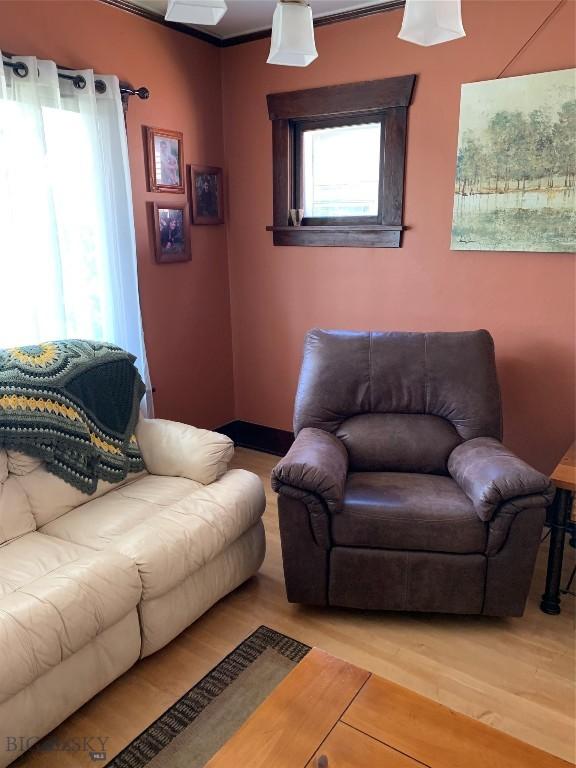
[[294, 112]]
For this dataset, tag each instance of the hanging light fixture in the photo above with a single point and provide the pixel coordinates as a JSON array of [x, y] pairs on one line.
[[292, 34], [207, 12], [429, 22]]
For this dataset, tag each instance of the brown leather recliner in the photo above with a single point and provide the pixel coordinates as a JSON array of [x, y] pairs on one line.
[[397, 493]]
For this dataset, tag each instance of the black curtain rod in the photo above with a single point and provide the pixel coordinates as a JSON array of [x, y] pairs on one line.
[[20, 69]]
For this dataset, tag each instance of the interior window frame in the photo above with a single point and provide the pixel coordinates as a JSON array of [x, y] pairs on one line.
[[299, 129], [292, 113]]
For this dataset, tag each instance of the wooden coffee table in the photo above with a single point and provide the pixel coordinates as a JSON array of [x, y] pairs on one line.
[[326, 706]]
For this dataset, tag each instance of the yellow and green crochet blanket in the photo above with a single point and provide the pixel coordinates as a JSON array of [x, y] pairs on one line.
[[74, 404]]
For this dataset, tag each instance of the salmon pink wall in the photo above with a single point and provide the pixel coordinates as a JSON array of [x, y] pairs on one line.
[[526, 300], [185, 306]]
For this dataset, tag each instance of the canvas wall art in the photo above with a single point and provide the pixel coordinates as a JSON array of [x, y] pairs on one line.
[[516, 165]]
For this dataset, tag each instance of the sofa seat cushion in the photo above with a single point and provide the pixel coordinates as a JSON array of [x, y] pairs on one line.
[[55, 597], [31, 557], [405, 510], [169, 526]]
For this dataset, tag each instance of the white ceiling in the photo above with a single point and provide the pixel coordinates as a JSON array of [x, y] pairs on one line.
[[244, 16]]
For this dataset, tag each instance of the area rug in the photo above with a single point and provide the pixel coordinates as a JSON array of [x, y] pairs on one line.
[[189, 733]]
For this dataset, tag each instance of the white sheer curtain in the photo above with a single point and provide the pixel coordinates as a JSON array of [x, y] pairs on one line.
[[67, 246]]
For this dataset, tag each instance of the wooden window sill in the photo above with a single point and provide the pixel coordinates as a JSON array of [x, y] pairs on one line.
[[339, 235]]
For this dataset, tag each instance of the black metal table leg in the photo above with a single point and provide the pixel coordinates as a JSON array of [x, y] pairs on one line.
[[560, 512]]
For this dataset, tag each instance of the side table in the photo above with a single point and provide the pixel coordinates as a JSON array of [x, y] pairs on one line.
[[564, 477]]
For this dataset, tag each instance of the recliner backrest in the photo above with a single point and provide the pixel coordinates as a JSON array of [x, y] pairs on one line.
[[399, 401]]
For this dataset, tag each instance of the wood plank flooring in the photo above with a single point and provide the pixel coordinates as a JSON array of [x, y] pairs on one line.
[[516, 675]]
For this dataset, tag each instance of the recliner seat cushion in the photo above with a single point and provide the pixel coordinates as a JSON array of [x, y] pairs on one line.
[[398, 442], [408, 511], [169, 526]]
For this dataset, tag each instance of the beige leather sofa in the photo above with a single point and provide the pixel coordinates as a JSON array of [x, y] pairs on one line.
[[89, 584]]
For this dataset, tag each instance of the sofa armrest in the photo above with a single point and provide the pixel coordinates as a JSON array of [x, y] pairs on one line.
[[317, 463], [180, 450], [491, 475]]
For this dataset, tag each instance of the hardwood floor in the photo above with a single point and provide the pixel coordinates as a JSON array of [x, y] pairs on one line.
[[514, 674]]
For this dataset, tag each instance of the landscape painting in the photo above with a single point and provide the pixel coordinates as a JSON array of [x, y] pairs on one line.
[[516, 165]]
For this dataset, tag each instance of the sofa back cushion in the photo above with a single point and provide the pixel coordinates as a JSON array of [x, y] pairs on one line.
[[48, 496], [369, 387], [16, 517]]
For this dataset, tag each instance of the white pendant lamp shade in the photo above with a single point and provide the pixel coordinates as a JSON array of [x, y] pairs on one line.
[[196, 11], [429, 22], [292, 35]]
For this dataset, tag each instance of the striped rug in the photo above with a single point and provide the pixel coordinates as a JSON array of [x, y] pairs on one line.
[[194, 728]]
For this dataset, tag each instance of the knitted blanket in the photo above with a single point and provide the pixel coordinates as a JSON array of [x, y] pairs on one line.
[[74, 404]]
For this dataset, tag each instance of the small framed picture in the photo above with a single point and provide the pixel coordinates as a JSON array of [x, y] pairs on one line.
[[206, 194], [165, 160], [171, 232]]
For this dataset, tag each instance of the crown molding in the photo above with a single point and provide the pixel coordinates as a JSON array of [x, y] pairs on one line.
[[219, 42], [125, 5]]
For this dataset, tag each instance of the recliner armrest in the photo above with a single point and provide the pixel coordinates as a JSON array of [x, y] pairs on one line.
[[180, 450], [317, 463], [490, 475]]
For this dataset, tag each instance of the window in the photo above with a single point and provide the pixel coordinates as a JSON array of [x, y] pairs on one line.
[[341, 171], [338, 155]]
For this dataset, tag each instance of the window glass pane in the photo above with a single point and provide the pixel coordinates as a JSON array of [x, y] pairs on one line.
[[341, 170]]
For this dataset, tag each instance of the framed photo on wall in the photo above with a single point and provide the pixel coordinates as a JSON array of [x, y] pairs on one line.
[[165, 160], [171, 232], [206, 194]]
